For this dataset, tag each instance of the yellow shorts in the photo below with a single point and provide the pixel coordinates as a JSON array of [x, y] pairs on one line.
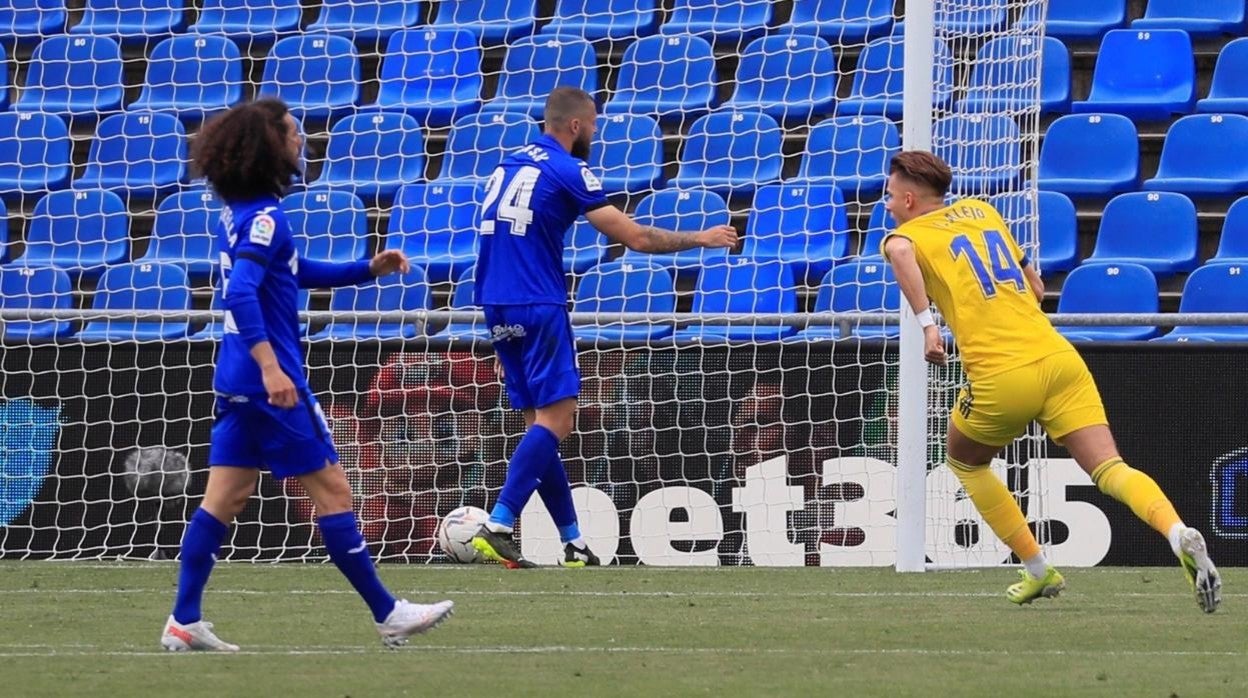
[[1056, 391]]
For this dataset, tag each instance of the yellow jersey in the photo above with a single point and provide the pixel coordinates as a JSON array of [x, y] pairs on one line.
[[973, 270]]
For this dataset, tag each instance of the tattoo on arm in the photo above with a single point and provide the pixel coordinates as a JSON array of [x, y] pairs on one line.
[[659, 241]]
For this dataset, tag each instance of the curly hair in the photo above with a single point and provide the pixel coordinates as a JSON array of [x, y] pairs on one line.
[[243, 152]]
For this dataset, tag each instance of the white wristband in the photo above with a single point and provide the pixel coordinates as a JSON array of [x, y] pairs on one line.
[[925, 318]]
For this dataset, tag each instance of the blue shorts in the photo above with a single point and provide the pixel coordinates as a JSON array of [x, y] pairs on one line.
[[251, 433], [534, 343]]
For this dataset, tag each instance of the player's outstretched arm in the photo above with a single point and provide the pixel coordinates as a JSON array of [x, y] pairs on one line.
[[317, 274], [900, 253], [619, 228]]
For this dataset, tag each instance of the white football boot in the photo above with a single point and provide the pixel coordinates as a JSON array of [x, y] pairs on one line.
[[408, 619], [193, 637]]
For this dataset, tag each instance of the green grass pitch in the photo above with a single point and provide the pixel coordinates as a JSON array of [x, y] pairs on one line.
[[92, 629]]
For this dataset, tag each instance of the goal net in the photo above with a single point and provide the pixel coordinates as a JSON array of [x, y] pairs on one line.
[[738, 408]]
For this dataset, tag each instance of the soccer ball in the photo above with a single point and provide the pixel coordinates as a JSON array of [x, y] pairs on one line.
[[456, 531]]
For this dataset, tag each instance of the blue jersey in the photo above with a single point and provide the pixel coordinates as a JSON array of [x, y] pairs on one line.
[[531, 200]]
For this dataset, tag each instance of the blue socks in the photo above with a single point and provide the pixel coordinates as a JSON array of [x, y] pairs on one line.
[[200, 544], [529, 464], [349, 552], [556, 493]]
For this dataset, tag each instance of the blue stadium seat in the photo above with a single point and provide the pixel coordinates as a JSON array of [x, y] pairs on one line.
[[1109, 288], [604, 19], [141, 153], [1156, 229], [1059, 232], [1204, 155], [4, 79], [583, 247], [75, 75], [842, 22], [139, 286], [877, 85], [628, 153], [535, 66], [970, 17], [1144, 75], [78, 231], [462, 299], [1004, 63], [367, 20], [981, 149], [434, 75], [730, 152], [801, 224], [373, 154], [863, 286], [719, 20], [1214, 288], [1229, 89], [878, 225], [34, 153], [478, 142], [1076, 19], [192, 76], [31, 20], [683, 212], [4, 233], [249, 21], [495, 21], [668, 77], [624, 286], [742, 285], [328, 225], [1090, 155], [317, 76], [852, 152], [34, 287], [1200, 18], [1233, 243], [436, 226], [131, 20], [408, 291], [786, 76], [184, 231]]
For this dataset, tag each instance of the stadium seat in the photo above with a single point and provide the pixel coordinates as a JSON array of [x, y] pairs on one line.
[[1075, 19], [1233, 243], [719, 20], [4, 79], [479, 142], [583, 247], [408, 291], [682, 212], [184, 230], [1090, 155], [31, 20], [317, 76], [970, 17], [671, 78], [434, 75], [1156, 229], [862, 286], [535, 66], [436, 226], [842, 22], [1059, 232], [981, 149], [624, 286], [140, 153], [1109, 288], [801, 224], [4, 233], [730, 152], [604, 19], [1144, 75], [1004, 63], [852, 152], [628, 153], [494, 21], [78, 231], [786, 76], [742, 285], [373, 154], [1199, 18], [462, 299], [35, 153], [139, 286], [249, 21], [877, 85], [878, 225], [131, 20], [34, 287], [1204, 155], [1229, 90], [1214, 288], [192, 76], [328, 225], [367, 20], [74, 75]]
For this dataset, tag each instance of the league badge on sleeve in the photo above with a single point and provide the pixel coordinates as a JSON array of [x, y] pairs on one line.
[[592, 183], [262, 227]]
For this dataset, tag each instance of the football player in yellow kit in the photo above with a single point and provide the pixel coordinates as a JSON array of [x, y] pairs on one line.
[[1019, 369]]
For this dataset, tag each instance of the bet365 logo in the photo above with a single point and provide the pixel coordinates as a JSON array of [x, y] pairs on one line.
[[1230, 494]]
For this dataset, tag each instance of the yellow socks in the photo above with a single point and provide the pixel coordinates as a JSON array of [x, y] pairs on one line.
[[995, 503], [1138, 491]]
